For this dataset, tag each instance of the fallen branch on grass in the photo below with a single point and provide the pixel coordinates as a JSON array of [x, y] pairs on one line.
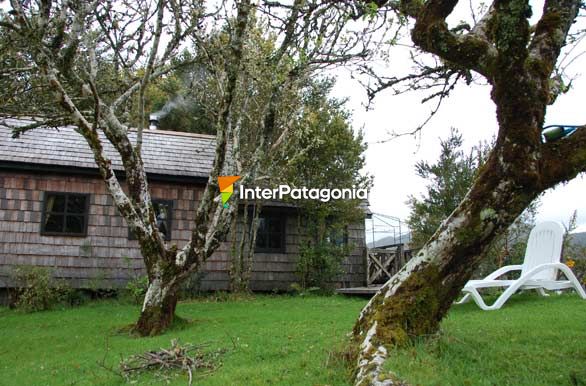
[[189, 358]]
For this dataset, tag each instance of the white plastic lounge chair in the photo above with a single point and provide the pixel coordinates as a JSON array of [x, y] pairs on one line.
[[539, 270]]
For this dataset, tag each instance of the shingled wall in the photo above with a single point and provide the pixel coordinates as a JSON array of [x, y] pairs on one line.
[[107, 258]]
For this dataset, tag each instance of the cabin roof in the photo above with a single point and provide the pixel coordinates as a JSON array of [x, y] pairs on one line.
[[164, 152]]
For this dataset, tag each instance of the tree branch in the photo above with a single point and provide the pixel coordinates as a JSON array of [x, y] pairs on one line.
[[564, 159], [551, 33], [208, 211], [470, 50], [147, 72]]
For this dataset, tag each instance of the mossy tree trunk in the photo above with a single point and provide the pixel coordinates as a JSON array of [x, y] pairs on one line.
[[158, 310], [160, 301], [168, 267], [518, 65]]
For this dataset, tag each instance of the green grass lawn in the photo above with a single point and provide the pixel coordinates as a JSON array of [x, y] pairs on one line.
[[288, 340], [270, 340], [530, 341]]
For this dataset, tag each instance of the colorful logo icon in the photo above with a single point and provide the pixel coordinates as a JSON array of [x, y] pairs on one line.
[[227, 187]]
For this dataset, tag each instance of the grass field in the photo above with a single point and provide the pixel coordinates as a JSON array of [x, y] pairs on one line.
[[270, 340], [530, 341], [284, 340]]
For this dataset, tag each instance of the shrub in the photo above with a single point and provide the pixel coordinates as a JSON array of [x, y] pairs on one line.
[[578, 266], [575, 254], [37, 290], [319, 265], [137, 288]]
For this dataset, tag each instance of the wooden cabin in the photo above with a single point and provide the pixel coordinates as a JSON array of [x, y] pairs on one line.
[[55, 212]]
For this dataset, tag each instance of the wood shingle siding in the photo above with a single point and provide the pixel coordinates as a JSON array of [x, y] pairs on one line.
[[107, 258], [46, 160]]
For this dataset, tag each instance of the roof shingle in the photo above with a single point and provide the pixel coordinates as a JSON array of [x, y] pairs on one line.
[[163, 152]]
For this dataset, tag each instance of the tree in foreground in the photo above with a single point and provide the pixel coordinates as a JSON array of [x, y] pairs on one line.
[[518, 62], [89, 64], [448, 181]]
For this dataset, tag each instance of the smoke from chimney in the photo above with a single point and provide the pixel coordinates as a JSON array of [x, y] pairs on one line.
[[179, 102]]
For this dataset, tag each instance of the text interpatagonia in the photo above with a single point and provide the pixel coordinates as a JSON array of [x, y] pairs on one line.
[[323, 195]]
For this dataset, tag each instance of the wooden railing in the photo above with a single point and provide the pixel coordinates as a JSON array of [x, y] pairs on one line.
[[382, 264]]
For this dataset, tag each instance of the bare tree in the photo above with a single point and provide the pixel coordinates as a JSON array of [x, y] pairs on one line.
[[518, 61], [85, 63]]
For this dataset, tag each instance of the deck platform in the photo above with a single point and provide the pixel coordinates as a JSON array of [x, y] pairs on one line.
[[363, 291]]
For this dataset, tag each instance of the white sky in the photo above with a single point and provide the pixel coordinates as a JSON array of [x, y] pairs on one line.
[[470, 110]]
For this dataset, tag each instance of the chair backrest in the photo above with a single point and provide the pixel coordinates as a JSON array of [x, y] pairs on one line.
[[544, 246]]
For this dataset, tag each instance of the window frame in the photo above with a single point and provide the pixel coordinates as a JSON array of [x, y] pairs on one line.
[[85, 215], [283, 234], [168, 203]]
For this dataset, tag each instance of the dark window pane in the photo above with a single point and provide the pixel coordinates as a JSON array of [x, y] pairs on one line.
[[261, 240], [269, 237], [76, 204], [162, 226], [162, 208], [337, 237], [55, 203], [65, 213], [163, 217], [274, 225], [163, 211], [275, 241], [53, 223], [74, 224]]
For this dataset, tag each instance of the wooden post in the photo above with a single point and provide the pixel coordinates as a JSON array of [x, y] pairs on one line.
[[401, 252]]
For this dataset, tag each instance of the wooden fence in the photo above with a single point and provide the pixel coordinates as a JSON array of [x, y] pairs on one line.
[[382, 264]]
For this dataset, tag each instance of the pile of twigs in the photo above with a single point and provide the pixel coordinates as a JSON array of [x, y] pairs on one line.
[[189, 358]]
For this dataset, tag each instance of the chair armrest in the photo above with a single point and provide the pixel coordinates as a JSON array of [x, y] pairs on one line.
[[541, 267], [501, 271]]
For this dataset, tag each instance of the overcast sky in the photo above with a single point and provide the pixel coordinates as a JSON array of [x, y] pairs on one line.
[[470, 110]]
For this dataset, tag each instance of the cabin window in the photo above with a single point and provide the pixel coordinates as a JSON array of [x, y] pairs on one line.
[[65, 214], [270, 236], [338, 236], [163, 213]]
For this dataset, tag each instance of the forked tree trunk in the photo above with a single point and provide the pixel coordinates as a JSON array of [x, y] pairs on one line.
[[518, 64], [416, 299]]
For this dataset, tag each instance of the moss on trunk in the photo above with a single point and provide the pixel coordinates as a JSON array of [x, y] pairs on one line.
[[157, 316], [416, 309]]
